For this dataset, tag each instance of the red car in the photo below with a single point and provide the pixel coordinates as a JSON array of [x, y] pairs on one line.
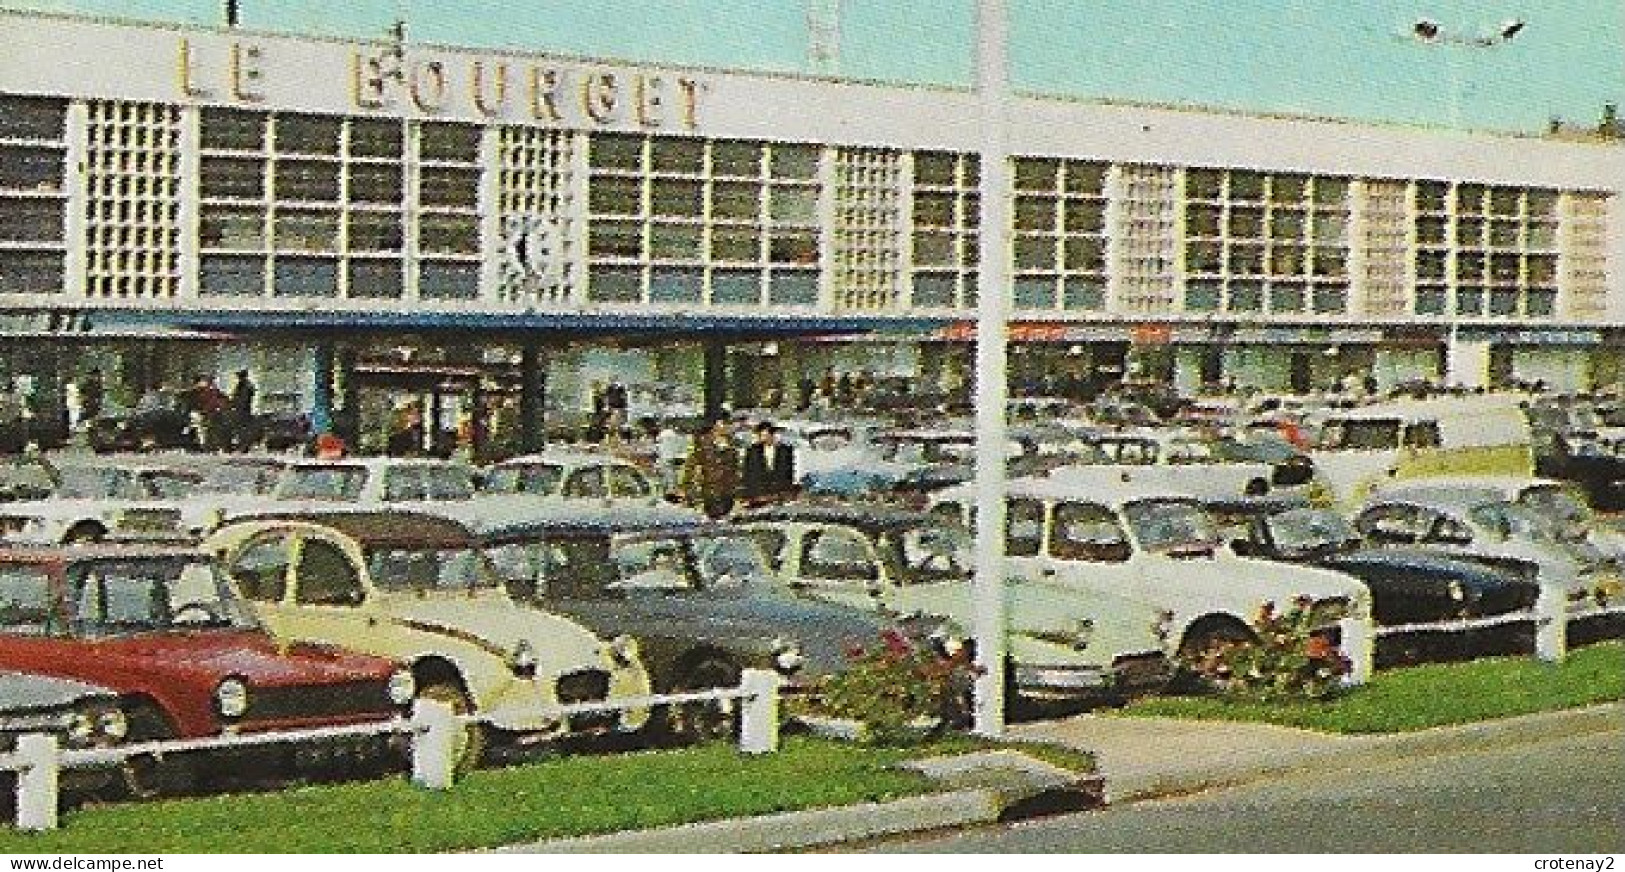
[[166, 630]]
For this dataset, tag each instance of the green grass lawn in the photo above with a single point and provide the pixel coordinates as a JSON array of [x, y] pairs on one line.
[[558, 797], [1430, 696]]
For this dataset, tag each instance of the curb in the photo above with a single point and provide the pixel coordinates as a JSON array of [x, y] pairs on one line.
[[789, 830], [1354, 751]]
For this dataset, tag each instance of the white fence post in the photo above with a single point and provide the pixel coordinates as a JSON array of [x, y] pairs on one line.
[[1359, 646], [1551, 626], [434, 742], [759, 718], [37, 782]]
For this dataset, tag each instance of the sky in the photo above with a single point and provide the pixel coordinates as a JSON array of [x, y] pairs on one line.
[[1352, 59]]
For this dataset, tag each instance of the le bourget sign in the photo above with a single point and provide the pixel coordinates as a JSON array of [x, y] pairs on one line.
[[391, 79]]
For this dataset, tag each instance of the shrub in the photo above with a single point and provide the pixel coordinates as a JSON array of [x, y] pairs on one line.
[[900, 691], [1286, 660]]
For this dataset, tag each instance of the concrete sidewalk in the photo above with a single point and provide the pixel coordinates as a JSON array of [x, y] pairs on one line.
[[1140, 759], [1146, 758]]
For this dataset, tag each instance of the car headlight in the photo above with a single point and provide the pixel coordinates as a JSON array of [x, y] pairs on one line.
[[231, 698], [946, 642], [623, 650], [402, 687], [522, 660], [787, 656], [1456, 592], [113, 724], [81, 730]]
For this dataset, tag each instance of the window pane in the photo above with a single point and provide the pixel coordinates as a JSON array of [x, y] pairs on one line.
[[305, 180], [1203, 184], [678, 198], [237, 178], [736, 244], [39, 118], [375, 183], [449, 186], [794, 288], [31, 221], [450, 142], [227, 227], [615, 284], [307, 134], [1246, 297], [305, 277], [1287, 298], [233, 130], [794, 205], [375, 231], [676, 241], [795, 162], [1035, 213], [369, 138], [1035, 174], [1035, 253], [736, 287], [674, 155], [1085, 178], [1086, 254], [800, 246], [615, 239], [735, 201], [449, 234], [375, 279], [1083, 293], [934, 249], [934, 168], [307, 230], [1085, 216], [934, 289], [448, 280], [231, 276], [676, 285], [1035, 293], [934, 210], [730, 158], [31, 169], [30, 272]]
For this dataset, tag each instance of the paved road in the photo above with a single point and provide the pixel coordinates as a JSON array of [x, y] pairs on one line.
[[1560, 795]]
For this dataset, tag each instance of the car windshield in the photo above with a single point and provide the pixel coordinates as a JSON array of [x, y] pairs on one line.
[[827, 440], [25, 600], [424, 569], [324, 483], [120, 597], [239, 478], [728, 559], [1172, 526], [168, 485], [1556, 502], [1301, 529], [98, 483], [1516, 521], [25, 479], [524, 478], [1192, 451], [925, 554], [1379, 434]]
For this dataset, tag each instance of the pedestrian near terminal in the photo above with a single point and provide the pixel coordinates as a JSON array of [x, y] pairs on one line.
[[242, 411], [768, 474], [711, 473]]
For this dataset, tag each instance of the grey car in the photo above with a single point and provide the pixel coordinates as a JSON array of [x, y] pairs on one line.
[[698, 596]]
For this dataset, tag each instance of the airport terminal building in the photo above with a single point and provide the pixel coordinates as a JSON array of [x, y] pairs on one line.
[[359, 220]]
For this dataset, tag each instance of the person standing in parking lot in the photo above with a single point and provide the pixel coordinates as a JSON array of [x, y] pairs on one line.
[[242, 411], [711, 473], [769, 470]]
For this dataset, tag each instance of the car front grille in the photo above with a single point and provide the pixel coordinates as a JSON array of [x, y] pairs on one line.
[[345, 701], [586, 685]]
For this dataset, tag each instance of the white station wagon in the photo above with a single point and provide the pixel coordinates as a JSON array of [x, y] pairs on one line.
[[1104, 528]]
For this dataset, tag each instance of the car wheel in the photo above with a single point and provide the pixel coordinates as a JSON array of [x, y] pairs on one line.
[[701, 721], [1202, 642], [146, 776], [85, 532], [469, 747]]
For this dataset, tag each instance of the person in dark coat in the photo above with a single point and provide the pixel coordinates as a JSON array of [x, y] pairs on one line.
[[242, 411], [769, 473]]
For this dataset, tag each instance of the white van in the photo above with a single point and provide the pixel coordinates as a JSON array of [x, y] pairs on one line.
[[1364, 448]]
